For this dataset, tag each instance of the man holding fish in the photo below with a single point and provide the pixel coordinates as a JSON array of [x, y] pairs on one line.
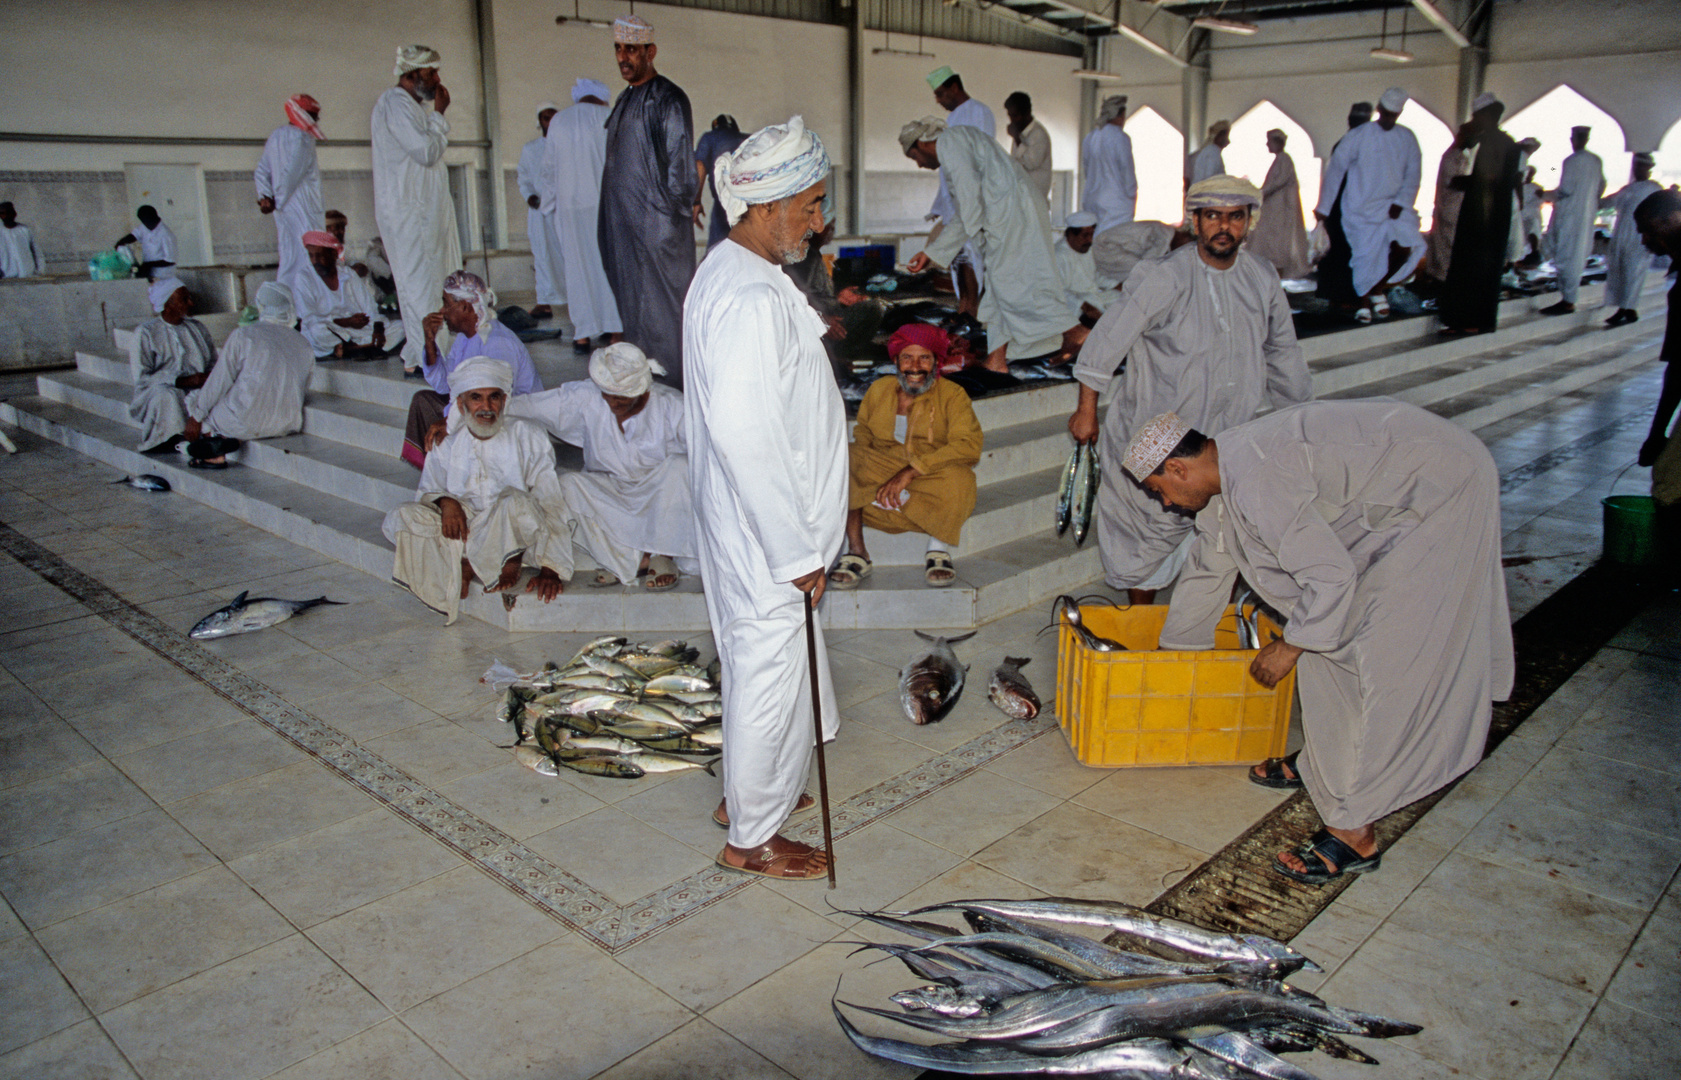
[[768, 465], [1206, 333]]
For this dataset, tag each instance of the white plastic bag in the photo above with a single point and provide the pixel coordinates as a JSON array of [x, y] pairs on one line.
[[1318, 243]]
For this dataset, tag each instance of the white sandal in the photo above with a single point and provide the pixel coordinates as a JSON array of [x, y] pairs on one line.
[[937, 561], [850, 571]]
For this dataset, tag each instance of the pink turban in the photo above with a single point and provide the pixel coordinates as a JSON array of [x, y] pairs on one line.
[[931, 338], [298, 107], [317, 238]]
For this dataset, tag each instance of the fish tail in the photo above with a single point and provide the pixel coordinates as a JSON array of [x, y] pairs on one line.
[[1018, 661]]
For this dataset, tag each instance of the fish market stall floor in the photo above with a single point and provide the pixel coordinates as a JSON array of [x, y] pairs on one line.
[[305, 852]]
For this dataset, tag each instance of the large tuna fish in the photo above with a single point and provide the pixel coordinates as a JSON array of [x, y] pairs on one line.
[[930, 684]]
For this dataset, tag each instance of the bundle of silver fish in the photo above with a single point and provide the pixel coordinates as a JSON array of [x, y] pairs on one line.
[[1024, 994], [617, 709], [1077, 494]]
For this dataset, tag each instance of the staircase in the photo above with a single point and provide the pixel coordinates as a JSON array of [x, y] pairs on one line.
[[328, 487]]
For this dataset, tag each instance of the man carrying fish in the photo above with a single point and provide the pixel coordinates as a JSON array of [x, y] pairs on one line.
[[768, 465], [1205, 332], [489, 501], [1374, 527]]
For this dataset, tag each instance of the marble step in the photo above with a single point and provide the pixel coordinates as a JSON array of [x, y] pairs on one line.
[[1005, 511], [1525, 391]]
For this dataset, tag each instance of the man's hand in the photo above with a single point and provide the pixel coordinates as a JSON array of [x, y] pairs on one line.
[[849, 295], [1274, 661], [919, 262], [546, 584], [455, 518], [1083, 424], [535, 202], [190, 382], [440, 101], [1650, 449], [434, 435], [837, 329], [1395, 210], [193, 430], [812, 584], [360, 268], [887, 496], [700, 212], [354, 322], [266, 205]]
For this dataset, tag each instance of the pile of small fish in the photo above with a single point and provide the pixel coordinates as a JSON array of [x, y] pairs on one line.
[[1024, 995], [1077, 494], [933, 681], [617, 709]]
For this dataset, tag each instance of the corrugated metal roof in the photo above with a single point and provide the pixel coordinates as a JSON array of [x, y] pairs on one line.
[[985, 22]]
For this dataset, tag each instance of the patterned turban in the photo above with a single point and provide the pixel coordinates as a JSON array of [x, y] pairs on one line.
[[1150, 445], [468, 286], [929, 337], [1222, 190], [1113, 106], [774, 163], [414, 57], [298, 108], [633, 30], [925, 130], [319, 238]]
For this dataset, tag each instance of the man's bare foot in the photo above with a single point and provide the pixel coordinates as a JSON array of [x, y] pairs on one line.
[[995, 361], [508, 578], [547, 584], [467, 577], [1363, 840]]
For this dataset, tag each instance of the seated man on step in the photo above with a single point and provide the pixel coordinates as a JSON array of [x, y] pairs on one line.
[[631, 507], [912, 458], [336, 307], [489, 501], [174, 354], [256, 390]]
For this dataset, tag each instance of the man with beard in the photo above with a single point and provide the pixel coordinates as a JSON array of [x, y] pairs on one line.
[[412, 204], [912, 459], [489, 502], [1206, 333], [649, 194], [767, 461], [335, 306]]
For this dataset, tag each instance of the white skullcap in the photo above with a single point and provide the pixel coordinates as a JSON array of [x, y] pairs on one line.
[[274, 303], [161, 289], [1484, 100], [927, 129], [1393, 100], [623, 370], [633, 30], [1113, 106], [468, 286], [481, 373], [414, 57], [1152, 443], [1079, 219], [545, 106], [1222, 190], [595, 88], [774, 163]]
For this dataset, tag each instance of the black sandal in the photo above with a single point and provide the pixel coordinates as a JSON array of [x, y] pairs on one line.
[[1273, 776], [1343, 860]]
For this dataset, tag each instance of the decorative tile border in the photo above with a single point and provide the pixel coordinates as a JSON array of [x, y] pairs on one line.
[[1570, 451], [527, 874]]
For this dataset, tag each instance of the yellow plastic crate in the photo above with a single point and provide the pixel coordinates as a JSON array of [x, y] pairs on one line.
[[1144, 707]]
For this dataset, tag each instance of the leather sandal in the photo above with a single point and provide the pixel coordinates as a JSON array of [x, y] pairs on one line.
[[1272, 772], [1342, 858], [850, 571], [803, 806], [781, 858]]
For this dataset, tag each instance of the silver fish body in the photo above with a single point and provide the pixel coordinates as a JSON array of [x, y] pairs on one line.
[[931, 683], [1085, 494], [535, 760], [941, 999], [606, 665], [677, 684], [1010, 691], [145, 482], [244, 615], [1065, 493]]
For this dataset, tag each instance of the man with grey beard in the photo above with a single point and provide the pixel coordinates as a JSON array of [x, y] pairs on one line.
[[489, 501]]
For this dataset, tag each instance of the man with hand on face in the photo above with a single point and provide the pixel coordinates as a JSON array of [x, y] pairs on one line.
[[767, 461], [1030, 143], [412, 204], [1206, 333], [489, 502]]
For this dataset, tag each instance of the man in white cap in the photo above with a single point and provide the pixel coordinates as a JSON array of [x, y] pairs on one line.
[[1111, 183], [288, 181], [768, 463], [256, 390], [1382, 167], [489, 502], [630, 509], [1206, 333], [649, 192], [412, 204], [1278, 235], [1374, 528], [1581, 182], [536, 187], [173, 353], [1087, 299], [968, 269], [577, 149], [996, 211], [1625, 269], [1210, 159], [1469, 302]]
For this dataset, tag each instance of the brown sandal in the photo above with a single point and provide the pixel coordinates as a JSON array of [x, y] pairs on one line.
[[781, 858], [805, 805]]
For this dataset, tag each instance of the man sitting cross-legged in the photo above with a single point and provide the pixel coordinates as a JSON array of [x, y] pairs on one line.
[[489, 501], [631, 507], [336, 307], [256, 390], [173, 355], [912, 459]]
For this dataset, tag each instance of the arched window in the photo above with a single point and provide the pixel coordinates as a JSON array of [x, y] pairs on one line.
[[1666, 160], [1550, 118], [1158, 152], [1434, 137], [1249, 157]]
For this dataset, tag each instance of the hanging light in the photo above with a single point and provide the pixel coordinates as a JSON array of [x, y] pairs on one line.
[[1384, 52], [1225, 26], [576, 19]]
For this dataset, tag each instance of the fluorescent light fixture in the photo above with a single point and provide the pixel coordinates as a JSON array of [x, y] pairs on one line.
[[1398, 55], [572, 20], [1140, 39], [1098, 76], [1225, 26], [900, 52], [1442, 22]]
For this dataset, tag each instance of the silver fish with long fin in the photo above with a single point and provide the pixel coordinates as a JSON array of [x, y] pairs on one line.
[[1065, 493], [1010, 691], [243, 616], [930, 684], [145, 482]]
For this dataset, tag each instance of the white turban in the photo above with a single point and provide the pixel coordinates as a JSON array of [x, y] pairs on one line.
[[633, 30], [1393, 100], [1220, 191], [774, 163], [274, 303], [161, 289], [546, 106], [468, 286], [1112, 107], [623, 371], [476, 373], [595, 88], [1079, 219], [925, 130], [414, 57]]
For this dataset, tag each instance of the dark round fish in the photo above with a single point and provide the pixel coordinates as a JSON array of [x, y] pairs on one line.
[[145, 482], [1010, 691], [931, 683]]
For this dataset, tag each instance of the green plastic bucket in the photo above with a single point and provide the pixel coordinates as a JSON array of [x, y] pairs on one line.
[[1631, 529]]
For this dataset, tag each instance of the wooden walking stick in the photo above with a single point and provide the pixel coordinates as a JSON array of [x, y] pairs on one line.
[[817, 719]]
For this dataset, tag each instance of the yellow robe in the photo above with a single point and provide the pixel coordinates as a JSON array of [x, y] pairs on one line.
[[942, 441]]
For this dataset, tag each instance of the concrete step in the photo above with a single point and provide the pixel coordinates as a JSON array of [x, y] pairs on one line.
[[1006, 511], [1528, 389]]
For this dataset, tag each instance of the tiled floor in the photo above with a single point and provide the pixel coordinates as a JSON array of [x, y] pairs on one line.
[[303, 854]]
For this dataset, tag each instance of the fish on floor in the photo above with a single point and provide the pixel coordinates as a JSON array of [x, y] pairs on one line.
[[1010, 691], [145, 482], [245, 615], [932, 682]]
